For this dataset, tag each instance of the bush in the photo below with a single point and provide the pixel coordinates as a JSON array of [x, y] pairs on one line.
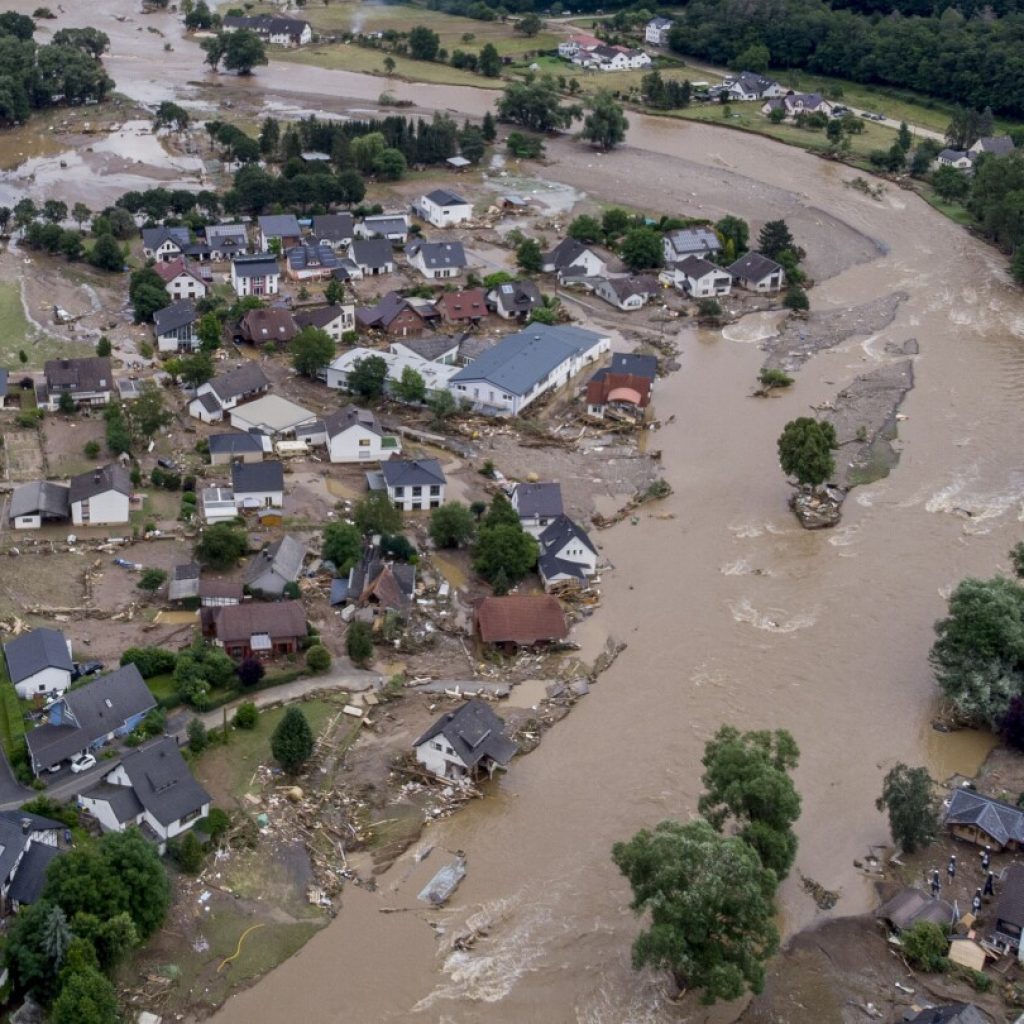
[[246, 716], [925, 945], [318, 658], [150, 661], [709, 308], [292, 742], [359, 644], [197, 738], [771, 378], [188, 853], [250, 671], [796, 298], [216, 823], [91, 449]]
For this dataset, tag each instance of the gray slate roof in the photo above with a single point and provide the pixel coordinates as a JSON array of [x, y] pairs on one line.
[[280, 225], [753, 267], [41, 497], [89, 373], [372, 252], [541, 499], [333, 227], [1002, 822], [282, 559], [431, 346], [628, 362], [34, 651], [111, 477], [999, 145], [516, 296], [234, 444], [162, 781], [257, 477], [445, 197], [184, 582], [176, 315], [320, 317], [121, 799], [153, 238], [338, 422], [1010, 905], [951, 1013], [13, 836], [412, 472], [243, 380], [474, 732], [262, 264], [382, 224], [437, 255], [563, 530], [565, 253], [30, 877], [218, 233]]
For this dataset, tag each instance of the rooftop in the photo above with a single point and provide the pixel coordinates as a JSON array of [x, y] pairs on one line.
[[34, 651], [111, 477], [162, 781], [239, 622], [445, 197], [257, 477], [176, 315], [523, 619], [272, 414], [540, 499], [412, 472], [474, 732]]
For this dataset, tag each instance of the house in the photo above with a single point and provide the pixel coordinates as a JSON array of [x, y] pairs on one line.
[[259, 629], [973, 818], [683, 242], [412, 484], [220, 593], [228, 448], [571, 259], [567, 554], [393, 227], [184, 582], [436, 374], [395, 316], [217, 504], [226, 241], [271, 415], [757, 273], [537, 505], [617, 58], [257, 275], [520, 620], [39, 662], [381, 585], [618, 394], [28, 843], [700, 278], [334, 321], [272, 569], [909, 905], [627, 293], [39, 502], [574, 45], [748, 86], [280, 228], [180, 280], [334, 229], [465, 744], [163, 244], [796, 103], [101, 496], [437, 260], [226, 390], [656, 31], [89, 381], [1009, 912], [355, 435], [152, 788], [310, 262], [957, 158], [523, 366], [515, 300], [951, 1013], [439, 348], [89, 717], [373, 256], [997, 145], [258, 484], [260, 326], [465, 307], [175, 327], [272, 28], [443, 208]]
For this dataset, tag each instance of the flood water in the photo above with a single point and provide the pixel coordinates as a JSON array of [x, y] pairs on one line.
[[732, 613]]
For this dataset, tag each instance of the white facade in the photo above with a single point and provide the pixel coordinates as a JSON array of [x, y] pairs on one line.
[[392, 226], [108, 507], [259, 499], [186, 286], [218, 504], [444, 216], [656, 31], [181, 339], [435, 374], [48, 680], [433, 273], [439, 758], [268, 284], [166, 251], [417, 497], [591, 264], [344, 321], [357, 443]]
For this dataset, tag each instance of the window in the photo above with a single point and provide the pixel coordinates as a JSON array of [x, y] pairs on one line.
[[437, 746], [417, 491], [364, 442], [399, 492], [435, 489], [417, 505]]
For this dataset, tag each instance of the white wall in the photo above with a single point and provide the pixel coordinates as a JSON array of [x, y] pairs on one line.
[[185, 286], [28, 522], [578, 553], [102, 812], [443, 217], [436, 761], [357, 444], [48, 679], [408, 500], [266, 499], [110, 507]]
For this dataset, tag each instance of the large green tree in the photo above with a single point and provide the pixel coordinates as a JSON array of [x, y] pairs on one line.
[[292, 740], [452, 525], [376, 514], [243, 51], [342, 545], [536, 105], [805, 450], [504, 553], [605, 125], [774, 238], [86, 997], [311, 350], [221, 546], [908, 794], [424, 43], [642, 249], [712, 915], [367, 376]]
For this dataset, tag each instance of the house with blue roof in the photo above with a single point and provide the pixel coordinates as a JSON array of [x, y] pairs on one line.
[[520, 368]]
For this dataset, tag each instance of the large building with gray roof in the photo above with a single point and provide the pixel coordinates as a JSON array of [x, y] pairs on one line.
[[38, 502], [39, 662]]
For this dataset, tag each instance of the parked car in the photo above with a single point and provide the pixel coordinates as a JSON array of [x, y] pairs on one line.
[[82, 763], [88, 668]]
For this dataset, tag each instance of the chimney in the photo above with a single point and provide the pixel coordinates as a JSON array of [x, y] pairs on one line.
[[26, 826]]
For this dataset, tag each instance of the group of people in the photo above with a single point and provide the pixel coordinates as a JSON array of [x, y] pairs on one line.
[[988, 889]]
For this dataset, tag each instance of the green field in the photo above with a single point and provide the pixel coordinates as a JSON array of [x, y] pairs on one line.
[[18, 335]]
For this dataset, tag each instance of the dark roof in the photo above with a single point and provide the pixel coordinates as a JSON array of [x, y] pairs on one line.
[[153, 238], [301, 257], [633, 364], [1000, 145], [30, 877], [520, 619], [122, 800], [186, 571], [221, 589], [753, 267], [910, 905], [177, 314], [3, 382], [184, 581], [261, 325], [692, 240], [216, 234], [321, 316], [951, 1013], [339, 591], [242, 380], [257, 477], [1002, 822], [1010, 905], [238, 622], [99, 708], [438, 254], [283, 559], [334, 227], [549, 566], [696, 267], [34, 651], [162, 781], [171, 269], [386, 311], [474, 732], [15, 829], [517, 296], [412, 472], [262, 264], [560, 532], [91, 373], [111, 477], [565, 253], [386, 224], [390, 585], [280, 225], [445, 197], [372, 252], [542, 499], [338, 422], [234, 444], [953, 155], [41, 497], [267, 24]]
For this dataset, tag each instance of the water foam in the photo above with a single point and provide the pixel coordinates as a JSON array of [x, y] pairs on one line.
[[774, 620]]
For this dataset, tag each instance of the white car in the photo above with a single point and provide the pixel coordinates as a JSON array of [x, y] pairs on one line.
[[82, 763]]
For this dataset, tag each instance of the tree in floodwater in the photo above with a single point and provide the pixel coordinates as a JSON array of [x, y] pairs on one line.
[[805, 450], [908, 794]]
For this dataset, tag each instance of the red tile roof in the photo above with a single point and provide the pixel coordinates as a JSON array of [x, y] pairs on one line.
[[619, 387], [465, 305], [282, 621], [172, 268], [521, 619]]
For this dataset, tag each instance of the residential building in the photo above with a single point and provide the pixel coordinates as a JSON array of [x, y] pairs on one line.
[[180, 280], [796, 103], [226, 390], [438, 348], [515, 300], [220, 593], [280, 228], [272, 569], [101, 496], [522, 367], [152, 789], [997, 145], [537, 505], [519, 621], [627, 293], [396, 316], [616, 58], [619, 395], [757, 273], [436, 374], [465, 307], [699, 278], [683, 242], [89, 717], [567, 554], [226, 241], [271, 415], [89, 381], [974, 818], [335, 321], [272, 28], [748, 87], [437, 261], [574, 45], [443, 208], [175, 327], [950, 1013], [465, 744], [355, 435], [258, 629], [228, 448], [381, 585], [38, 502], [218, 504], [393, 227], [334, 229], [908, 906], [257, 484], [7, 394], [163, 244], [572, 259], [957, 158], [412, 484], [656, 31], [39, 662], [1009, 910], [259, 326], [28, 843], [257, 275], [183, 584], [311, 262], [372, 256]]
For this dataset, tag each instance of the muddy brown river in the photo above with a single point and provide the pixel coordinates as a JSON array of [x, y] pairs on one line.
[[732, 613]]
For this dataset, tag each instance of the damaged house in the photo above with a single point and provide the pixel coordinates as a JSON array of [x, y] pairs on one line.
[[465, 744]]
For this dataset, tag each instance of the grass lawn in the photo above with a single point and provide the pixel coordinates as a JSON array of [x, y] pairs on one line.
[[954, 211], [162, 686], [17, 334]]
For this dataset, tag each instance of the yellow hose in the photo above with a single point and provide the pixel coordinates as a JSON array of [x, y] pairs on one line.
[[238, 949]]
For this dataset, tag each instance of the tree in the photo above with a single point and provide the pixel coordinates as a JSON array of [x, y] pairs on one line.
[[367, 376], [452, 525], [270, 136], [359, 644], [292, 740], [342, 545], [71, 246], [1017, 265], [774, 238], [243, 51], [110, 939], [605, 126], [472, 144], [504, 549], [950, 184], [318, 658], [488, 63], [642, 249], [250, 671], [755, 57], [312, 349], [147, 293], [188, 853], [55, 210], [376, 514], [536, 105], [586, 229], [925, 945], [221, 546], [170, 115], [529, 24], [735, 230], [197, 738], [904, 138], [805, 450], [529, 257], [424, 43], [200, 17], [209, 330], [86, 997], [213, 49], [246, 716], [441, 405], [914, 808], [711, 907], [146, 415], [152, 579], [106, 254], [32, 957], [389, 65], [796, 299], [411, 387], [66, 403]]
